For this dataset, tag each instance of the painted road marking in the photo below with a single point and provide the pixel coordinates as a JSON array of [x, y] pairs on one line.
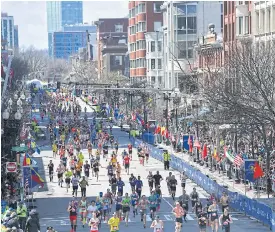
[[168, 217], [148, 218]]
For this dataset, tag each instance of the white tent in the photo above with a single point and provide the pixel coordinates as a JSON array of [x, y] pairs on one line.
[[37, 83]]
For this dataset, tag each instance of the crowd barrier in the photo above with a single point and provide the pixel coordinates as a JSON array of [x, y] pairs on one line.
[[239, 202]]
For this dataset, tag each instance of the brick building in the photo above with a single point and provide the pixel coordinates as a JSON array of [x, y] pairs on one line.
[[109, 32], [144, 16]]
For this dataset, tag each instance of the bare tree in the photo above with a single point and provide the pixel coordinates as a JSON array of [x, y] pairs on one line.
[[37, 60], [243, 92], [85, 72]]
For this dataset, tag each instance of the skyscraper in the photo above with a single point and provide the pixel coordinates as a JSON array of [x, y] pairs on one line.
[[60, 14], [7, 29]]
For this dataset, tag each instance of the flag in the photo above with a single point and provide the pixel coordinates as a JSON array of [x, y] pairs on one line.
[[27, 184], [228, 154], [190, 143], [238, 160], [139, 119], [258, 172], [204, 151], [27, 161], [36, 177]]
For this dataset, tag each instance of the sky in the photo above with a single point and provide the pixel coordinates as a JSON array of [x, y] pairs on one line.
[[31, 17]]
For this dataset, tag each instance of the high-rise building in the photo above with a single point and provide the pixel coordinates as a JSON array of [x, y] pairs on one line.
[[144, 16], [114, 29], [16, 40], [84, 28], [60, 13], [66, 44], [184, 23], [7, 29]]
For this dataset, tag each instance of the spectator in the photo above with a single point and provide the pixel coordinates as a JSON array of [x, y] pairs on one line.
[[32, 224]]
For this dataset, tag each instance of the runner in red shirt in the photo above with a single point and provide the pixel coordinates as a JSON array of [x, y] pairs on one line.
[[130, 150], [127, 163]]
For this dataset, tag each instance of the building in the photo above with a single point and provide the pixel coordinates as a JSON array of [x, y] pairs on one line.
[[16, 39], [113, 51], [126, 72], [84, 28], [154, 58], [183, 23], [208, 56], [109, 28], [66, 44], [144, 16], [263, 20], [7, 30], [60, 13]]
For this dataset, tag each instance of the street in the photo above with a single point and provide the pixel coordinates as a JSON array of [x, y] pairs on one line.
[[52, 203]]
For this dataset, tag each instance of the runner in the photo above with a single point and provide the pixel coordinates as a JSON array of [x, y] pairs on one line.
[[134, 202], [118, 170], [96, 169], [75, 182], [139, 185], [178, 212], [132, 181], [126, 161], [114, 223], [92, 208], [173, 186], [213, 210], [194, 198], [90, 149], [225, 220], [150, 181], [60, 170], [130, 150], [202, 220], [72, 209], [143, 207], [120, 185], [94, 222], [152, 201], [87, 169], [126, 207], [118, 201], [113, 184], [68, 174], [157, 225], [83, 210], [51, 167]]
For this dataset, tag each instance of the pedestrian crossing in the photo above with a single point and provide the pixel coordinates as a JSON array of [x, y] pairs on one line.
[[164, 216]]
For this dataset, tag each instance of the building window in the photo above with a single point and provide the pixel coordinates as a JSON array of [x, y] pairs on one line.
[[233, 31], [157, 7], [192, 25], [118, 28], [118, 60], [225, 7], [221, 8], [181, 23], [190, 53], [153, 64], [225, 34], [159, 64], [246, 23], [159, 46], [142, 63], [221, 23], [160, 80], [141, 8], [153, 46], [157, 26], [141, 26], [141, 44], [240, 21], [191, 9], [153, 80]]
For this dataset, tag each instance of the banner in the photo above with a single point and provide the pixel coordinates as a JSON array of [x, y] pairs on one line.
[[249, 169], [239, 202], [27, 177]]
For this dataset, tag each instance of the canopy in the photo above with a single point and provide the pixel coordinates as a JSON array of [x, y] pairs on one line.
[[37, 82]]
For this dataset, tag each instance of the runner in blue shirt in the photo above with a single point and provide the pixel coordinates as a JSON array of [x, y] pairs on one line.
[[139, 185], [152, 200], [134, 202], [120, 185], [118, 201], [105, 208]]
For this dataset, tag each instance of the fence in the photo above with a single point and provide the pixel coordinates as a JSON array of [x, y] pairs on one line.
[[239, 202]]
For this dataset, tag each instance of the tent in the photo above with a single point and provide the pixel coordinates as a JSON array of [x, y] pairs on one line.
[[37, 83]]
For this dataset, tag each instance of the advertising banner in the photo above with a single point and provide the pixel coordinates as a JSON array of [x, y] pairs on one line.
[[239, 202], [249, 169]]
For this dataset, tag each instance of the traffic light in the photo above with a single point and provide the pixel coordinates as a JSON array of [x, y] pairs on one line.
[[165, 114]]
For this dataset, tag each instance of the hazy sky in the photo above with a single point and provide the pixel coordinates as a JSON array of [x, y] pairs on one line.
[[31, 17]]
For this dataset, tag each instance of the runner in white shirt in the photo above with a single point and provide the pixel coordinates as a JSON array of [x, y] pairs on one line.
[[92, 208], [93, 223], [157, 225]]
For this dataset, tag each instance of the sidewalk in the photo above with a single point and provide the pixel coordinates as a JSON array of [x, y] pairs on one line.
[[221, 178]]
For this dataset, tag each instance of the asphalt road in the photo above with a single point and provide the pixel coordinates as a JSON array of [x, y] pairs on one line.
[[52, 203]]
